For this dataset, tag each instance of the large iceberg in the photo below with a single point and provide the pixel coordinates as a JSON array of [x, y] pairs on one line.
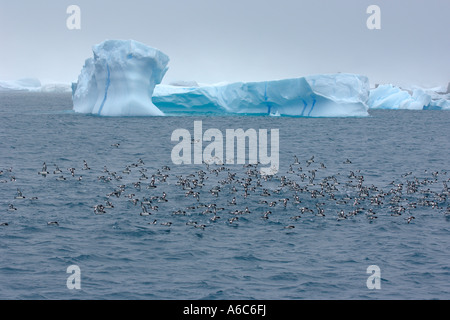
[[330, 95], [120, 79]]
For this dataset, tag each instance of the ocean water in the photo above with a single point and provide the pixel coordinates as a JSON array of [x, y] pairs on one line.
[[401, 155]]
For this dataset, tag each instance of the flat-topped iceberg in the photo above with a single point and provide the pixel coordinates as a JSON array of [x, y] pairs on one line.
[[119, 80], [329, 95]]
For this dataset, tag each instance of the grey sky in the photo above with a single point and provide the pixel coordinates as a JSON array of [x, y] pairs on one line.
[[235, 40]]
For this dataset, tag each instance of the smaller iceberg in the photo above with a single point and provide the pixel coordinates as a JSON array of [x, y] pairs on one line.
[[119, 80], [388, 96]]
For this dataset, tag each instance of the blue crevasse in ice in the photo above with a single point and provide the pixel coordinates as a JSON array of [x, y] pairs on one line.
[[120, 79]]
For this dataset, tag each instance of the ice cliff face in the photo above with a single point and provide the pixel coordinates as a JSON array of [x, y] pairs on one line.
[[119, 80]]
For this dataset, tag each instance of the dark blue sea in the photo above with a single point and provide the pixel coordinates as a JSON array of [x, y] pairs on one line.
[[388, 206]]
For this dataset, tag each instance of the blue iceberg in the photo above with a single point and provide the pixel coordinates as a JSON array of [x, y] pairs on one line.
[[388, 96], [120, 79], [330, 95]]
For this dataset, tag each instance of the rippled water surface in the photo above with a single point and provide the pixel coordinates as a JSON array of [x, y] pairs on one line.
[[401, 156]]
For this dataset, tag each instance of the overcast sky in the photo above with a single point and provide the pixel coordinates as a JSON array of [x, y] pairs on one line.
[[211, 41]]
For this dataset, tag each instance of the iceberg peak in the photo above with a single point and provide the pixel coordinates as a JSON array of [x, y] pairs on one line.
[[119, 80]]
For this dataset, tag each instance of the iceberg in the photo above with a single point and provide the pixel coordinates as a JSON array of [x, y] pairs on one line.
[[327, 95], [119, 80], [388, 96]]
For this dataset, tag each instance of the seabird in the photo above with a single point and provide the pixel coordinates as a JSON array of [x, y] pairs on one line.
[[144, 211], [72, 171], [231, 220], [19, 194], [86, 167], [266, 214], [409, 219], [341, 215], [99, 209], [108, 205], [310, 161], [57, 170], [44, 171]]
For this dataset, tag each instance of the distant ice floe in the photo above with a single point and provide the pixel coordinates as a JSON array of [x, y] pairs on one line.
[[34, 85]]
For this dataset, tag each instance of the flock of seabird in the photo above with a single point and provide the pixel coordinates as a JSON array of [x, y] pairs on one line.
[[214, 193]]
